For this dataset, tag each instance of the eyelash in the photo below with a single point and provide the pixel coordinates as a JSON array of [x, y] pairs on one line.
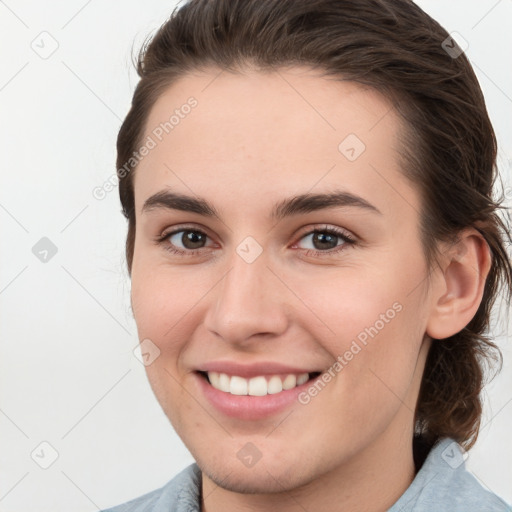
[[163, 240]]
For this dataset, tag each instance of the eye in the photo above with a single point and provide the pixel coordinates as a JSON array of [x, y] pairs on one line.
[[188, 239], [184, 241], [323, 241], [326, 240]]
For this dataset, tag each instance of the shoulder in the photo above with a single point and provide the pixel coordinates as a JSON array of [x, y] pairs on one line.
[[444, 483], [181, 494]]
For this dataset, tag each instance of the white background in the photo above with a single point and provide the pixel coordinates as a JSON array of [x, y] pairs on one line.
[[68, 375]]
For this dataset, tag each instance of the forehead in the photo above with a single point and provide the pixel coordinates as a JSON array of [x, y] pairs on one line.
[[289, 129], [318, 108]]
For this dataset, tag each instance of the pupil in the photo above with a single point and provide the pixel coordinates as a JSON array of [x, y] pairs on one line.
[[322, 238], [192, 240]]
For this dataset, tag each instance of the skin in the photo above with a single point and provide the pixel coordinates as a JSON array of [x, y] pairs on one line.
[[253, 140]]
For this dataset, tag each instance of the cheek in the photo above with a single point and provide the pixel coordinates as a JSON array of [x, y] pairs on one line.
[[168, 305], [160, 312], [372, 323], [345, 306], [159, 309], [163, 302]]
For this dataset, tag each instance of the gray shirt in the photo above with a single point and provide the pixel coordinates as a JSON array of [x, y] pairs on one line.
[[441, 484]]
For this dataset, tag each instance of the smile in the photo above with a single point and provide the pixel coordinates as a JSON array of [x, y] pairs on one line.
[[252, 392], [261, 385]]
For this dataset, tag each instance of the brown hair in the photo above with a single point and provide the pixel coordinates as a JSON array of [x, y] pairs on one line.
[[449, 149]]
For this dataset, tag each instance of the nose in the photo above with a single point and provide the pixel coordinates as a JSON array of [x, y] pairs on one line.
[[248, 304]]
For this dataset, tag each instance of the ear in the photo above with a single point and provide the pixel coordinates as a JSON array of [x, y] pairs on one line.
[[459, 284]]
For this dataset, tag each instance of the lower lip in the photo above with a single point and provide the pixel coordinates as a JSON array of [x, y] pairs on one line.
[[248, 407]]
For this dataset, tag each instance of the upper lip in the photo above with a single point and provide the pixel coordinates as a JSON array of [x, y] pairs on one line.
[[252, 370]]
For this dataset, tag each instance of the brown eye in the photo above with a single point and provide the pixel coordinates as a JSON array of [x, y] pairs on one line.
[[325, 240], [189, 239]]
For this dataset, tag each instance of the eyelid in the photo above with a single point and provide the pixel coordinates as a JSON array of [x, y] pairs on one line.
[[185, 227], [325, 227]]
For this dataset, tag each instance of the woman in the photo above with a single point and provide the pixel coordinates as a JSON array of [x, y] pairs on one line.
[[314, 253]]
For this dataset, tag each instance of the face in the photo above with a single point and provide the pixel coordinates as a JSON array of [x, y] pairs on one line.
[[277, 253]]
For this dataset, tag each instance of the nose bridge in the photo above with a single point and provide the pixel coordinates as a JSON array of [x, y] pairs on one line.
[[246, 301]]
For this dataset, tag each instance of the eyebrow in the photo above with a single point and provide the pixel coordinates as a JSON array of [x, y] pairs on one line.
[[168, 200], [303, 203]]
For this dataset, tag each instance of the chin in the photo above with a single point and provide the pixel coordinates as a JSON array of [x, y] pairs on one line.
[[260, 479]]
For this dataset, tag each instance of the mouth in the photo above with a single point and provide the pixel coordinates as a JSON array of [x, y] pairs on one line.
[[252, 392], [257, 386]]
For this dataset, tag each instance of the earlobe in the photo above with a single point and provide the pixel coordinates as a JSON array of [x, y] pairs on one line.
[[461, 281]]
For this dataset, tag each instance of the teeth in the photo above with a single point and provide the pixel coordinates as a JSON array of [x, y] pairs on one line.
[[214, 379], [224, 382], [290, 382], [238, 386], [276, 385], [256, 386], [302, 378]]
